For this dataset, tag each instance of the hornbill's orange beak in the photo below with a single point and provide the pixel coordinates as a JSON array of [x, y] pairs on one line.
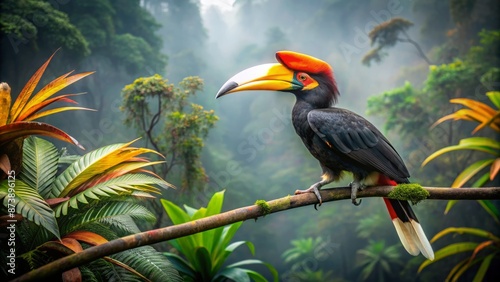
[[264, 77]]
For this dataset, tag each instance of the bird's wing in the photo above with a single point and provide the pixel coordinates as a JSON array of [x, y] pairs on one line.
[[357, 138]]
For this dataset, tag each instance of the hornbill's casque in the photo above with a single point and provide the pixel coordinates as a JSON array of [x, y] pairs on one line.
[[340, 139]]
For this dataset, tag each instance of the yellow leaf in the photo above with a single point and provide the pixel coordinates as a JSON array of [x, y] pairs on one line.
[[474, 105]]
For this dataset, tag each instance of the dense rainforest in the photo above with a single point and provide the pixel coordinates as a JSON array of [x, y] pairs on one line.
[[425, 72]]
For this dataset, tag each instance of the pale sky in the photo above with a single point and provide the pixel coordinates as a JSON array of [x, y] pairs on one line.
[[224, 5]]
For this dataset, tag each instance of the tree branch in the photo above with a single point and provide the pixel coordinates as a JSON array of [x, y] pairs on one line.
[[236, 215]]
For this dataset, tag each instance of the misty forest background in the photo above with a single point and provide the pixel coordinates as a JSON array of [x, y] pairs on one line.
[[251, 149]]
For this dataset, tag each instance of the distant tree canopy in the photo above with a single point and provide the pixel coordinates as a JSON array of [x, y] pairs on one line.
[[122, 32]]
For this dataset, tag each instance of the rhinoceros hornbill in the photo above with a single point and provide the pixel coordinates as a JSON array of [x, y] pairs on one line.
[[340, 139]]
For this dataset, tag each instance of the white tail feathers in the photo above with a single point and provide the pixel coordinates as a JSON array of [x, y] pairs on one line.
[[413, 238]]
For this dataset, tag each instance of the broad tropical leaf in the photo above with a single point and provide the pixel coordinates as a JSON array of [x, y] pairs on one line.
[[40, 159], [206, 252], [29, 204]]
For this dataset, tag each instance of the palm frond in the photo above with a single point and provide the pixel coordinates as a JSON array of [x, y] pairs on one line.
[[116, 186], [30, 205], [94, 164], [150, 263], [105, 212], [40, 159]]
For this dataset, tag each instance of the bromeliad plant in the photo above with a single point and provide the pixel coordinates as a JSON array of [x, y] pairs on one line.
[[490, 250], [93, 200], [17, 119], [486, 117], [205, 253], [485, 252]]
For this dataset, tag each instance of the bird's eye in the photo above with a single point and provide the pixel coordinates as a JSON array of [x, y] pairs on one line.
[[302, 76]]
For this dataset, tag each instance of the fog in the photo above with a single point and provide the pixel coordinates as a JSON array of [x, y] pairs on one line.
[[253, 151]]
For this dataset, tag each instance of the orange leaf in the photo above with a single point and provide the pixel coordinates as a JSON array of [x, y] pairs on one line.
[[45, 103], [57, 110], [479, 248], [25, 94], [72, 244], [495, 168], [15, 130], [55, 86], [5, 163], [88, 237]]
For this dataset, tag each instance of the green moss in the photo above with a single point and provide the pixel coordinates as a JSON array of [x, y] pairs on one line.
[[411, 192], [264, 206]]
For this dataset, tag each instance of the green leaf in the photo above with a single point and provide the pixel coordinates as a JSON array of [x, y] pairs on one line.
[[80, 166], [203, 263], [271, 268], [214, 207], [235, 245], [483, 268], [470, 171], [181, 265], [234, 274], [449, 205], [480, 141], [150, 263], [40, 160], [29, 204], [187, 244], [115, 186], [473, 143], [494, 97], [490, 208], [465, 230], [104, 212], [449, 250]]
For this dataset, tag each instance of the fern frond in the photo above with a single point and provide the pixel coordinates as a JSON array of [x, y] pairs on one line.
[[104, 212]]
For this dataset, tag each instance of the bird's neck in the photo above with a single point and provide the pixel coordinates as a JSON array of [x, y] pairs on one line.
[[299, 116]]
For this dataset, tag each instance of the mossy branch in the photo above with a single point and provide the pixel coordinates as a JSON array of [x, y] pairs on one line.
[[240, 214]]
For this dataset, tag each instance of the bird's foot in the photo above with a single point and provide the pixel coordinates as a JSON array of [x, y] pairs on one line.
[[313, 189], [355, 187]]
